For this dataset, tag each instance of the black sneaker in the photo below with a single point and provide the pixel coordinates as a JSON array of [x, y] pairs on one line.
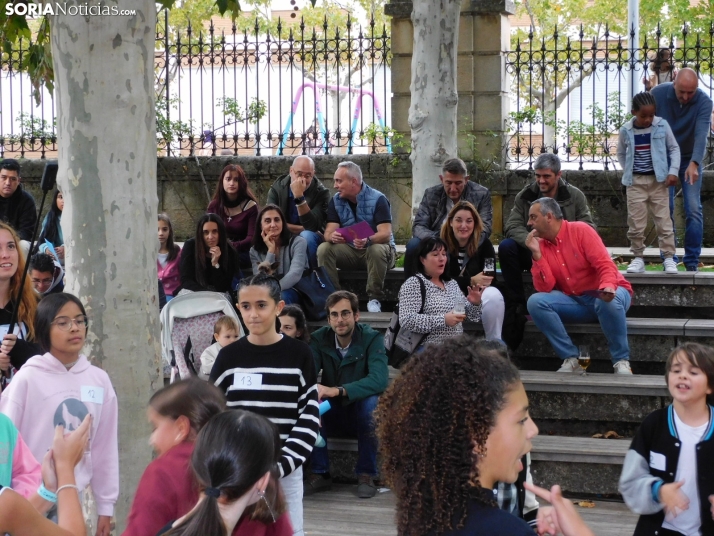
[[316, 483], [366, 489]]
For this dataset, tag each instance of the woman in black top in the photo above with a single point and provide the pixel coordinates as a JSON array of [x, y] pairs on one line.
[[461, 232], [208, 261], [451, 426], [14, 350]]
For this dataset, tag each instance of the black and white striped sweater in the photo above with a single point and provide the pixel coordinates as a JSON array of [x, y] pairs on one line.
[[277, 381]]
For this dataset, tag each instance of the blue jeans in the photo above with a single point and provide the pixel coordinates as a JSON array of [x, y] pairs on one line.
[[354, 419], [514, 259], [313, 241], [693, 219], [290, 296], [550, 310]]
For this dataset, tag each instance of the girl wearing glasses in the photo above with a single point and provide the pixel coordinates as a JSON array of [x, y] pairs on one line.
[[60, 388]]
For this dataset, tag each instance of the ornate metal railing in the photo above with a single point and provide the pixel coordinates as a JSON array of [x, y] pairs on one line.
[[571, 93], [219, 90]]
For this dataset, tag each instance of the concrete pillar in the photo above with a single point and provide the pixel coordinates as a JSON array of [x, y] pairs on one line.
[[483, 85]]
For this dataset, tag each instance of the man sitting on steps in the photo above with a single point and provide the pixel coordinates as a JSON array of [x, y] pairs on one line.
[[576, 281], [356, 202], [513, 255], [353, 362], [437, 202]]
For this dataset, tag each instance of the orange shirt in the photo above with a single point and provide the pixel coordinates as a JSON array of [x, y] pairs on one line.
[[577, 262]]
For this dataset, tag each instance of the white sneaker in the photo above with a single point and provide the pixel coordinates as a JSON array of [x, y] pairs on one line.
[[670, 267], [622, 367], [637, 266], [373, 306], [571, 365]]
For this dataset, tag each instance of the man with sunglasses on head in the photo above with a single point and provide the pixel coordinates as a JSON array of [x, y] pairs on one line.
[[353, 362], [303, 199]]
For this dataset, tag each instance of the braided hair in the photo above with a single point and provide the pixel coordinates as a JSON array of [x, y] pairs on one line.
[[644, 98]]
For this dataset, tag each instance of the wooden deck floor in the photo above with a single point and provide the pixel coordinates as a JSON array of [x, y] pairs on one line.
[[341, 513]]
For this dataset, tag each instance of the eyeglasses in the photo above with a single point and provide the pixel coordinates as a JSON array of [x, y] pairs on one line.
[[344, 314], [303, 174], [65, 323]]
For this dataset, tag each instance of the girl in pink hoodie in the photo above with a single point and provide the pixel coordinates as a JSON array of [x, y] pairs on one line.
[[61, 387]]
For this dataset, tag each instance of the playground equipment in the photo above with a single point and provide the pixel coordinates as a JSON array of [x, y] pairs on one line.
[[321, 119]]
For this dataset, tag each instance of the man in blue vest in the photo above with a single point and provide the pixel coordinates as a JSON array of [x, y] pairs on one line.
[[355, 202]]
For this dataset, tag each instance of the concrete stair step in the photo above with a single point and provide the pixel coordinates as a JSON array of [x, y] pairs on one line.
[[578, 464], [650, 255], [602, 384], [635, 326], [691, 293]]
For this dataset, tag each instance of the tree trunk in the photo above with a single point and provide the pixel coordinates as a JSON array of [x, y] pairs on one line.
[[432, 113], [104, 70]]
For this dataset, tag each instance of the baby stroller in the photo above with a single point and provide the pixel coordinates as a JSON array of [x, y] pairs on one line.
[[187, 330]]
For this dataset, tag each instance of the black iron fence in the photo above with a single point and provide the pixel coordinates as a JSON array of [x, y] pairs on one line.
[[296, 90], [571, 93]]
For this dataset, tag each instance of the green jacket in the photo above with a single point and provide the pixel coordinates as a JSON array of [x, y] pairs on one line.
[[362, 372], [571, 200], [317, 197]]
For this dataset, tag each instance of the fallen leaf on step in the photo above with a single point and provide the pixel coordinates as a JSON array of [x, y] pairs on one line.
[[598, 436], [584, 504], [611, 434]]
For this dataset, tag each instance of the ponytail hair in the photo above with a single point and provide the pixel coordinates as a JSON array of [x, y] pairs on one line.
[[195, 399], [234, 450]]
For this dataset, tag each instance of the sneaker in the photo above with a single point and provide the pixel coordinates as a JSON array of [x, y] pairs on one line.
[[366, 488], [670, 267], [316, 483], [622, 367], [571, 365], [637, 266], [692, 268], [373, 306]]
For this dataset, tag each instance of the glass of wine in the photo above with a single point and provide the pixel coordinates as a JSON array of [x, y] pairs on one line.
[[489, 267], [584, 358]]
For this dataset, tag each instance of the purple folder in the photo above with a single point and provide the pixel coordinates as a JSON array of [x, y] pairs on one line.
[[359, 230]]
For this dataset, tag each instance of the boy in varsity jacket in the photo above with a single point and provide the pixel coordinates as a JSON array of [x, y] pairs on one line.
[[668, 474]]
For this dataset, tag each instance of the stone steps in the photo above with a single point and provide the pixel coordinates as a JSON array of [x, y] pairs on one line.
[[689, 294], [651, 340], [580, 464], [651, 254]]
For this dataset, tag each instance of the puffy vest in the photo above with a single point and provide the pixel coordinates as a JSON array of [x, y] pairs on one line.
[[366, 203]]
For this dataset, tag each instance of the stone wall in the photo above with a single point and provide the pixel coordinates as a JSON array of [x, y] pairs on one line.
[[182, 195]]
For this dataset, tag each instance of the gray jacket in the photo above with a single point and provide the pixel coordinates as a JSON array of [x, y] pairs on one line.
[[571, 200], [317, 197], [293, 262], [432, 210]]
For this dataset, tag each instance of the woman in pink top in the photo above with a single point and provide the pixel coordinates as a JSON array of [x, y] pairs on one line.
[[237, 206], [169, 258]]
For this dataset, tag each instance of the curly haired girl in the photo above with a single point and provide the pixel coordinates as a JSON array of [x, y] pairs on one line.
[[450, 427]]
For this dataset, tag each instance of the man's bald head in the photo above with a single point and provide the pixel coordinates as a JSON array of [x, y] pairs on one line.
[[685, 85]]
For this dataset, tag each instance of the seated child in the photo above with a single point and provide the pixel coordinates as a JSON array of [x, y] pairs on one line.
[[225, 331], [668, 474]]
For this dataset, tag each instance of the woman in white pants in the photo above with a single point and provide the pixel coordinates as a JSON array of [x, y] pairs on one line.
[[461, 232]]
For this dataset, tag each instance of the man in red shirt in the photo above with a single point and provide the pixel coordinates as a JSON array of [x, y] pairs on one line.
[[576, 281]]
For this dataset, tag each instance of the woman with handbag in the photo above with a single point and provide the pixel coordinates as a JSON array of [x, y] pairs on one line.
[[277, 252], [461, 232], [440, 309]]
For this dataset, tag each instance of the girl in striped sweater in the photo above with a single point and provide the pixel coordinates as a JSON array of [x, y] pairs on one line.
[[273, 375]]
